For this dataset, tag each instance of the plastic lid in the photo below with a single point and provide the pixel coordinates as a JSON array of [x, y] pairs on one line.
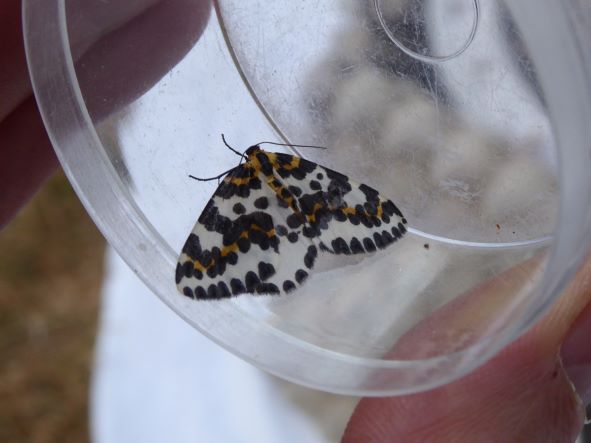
[[470, 116]]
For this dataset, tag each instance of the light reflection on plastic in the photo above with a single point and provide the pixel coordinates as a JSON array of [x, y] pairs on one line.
[[423, 57]]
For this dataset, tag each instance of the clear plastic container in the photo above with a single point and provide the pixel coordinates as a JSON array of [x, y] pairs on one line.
[[471, 116]]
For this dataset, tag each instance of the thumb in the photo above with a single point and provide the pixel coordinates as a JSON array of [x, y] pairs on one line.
[[523, 394]]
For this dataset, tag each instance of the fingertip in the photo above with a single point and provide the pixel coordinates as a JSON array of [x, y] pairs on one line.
[[28, 159], [517, 396]]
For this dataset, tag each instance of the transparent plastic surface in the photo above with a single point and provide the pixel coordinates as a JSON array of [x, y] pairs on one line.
[[469, 115]]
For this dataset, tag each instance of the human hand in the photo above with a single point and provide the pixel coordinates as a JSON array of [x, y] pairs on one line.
[[524, 394], [122, 51]]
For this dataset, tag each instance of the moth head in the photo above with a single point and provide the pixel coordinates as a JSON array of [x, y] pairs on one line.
[[252, 150]]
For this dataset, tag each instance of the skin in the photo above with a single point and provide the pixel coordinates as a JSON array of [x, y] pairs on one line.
[[120, 53], [525, 393], [531, 391]]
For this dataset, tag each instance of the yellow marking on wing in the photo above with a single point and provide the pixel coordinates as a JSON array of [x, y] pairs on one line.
[[295, 162], [270, 233], [226, 250], [317, 206], [347, 210], [251, 163], [199, 266], [239, 181], [291, 202], [271, 183], [254, 162]]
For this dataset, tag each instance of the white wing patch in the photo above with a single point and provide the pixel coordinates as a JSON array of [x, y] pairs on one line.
[[261, 231], [241, 244]]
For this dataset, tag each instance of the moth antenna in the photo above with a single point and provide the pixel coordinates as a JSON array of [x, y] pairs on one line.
[[293, 145], [217, 177], [231, 148]]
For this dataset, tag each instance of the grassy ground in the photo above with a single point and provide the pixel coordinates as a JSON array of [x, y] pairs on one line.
[[51, 260]]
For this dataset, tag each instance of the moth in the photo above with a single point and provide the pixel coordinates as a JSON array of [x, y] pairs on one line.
[[268, 220]]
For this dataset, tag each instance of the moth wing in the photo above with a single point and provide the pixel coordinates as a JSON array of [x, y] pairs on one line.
[[344, 217], [242, 244]]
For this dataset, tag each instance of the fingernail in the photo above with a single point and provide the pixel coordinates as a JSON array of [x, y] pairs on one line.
[[576, 355]]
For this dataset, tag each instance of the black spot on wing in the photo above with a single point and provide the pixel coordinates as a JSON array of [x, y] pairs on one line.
[[295, 190], [370, 193], [206, 258], [377, 238], [288, 286], [261, 203], [340, 246], [232, 258], [238, 208], [267, 288], [301, 275], [396, 233], [266, 270], [401, 228], [387, 238], [179, 273], [369, 244], [243, 245], [356, 246], [200, 293], [310, 256], [237, 286], [187, 269], [223, 291], [294, 220], [391, 209], [311, 231], [354, 219], [252, 281], [281, 230], [192, 246], [212, 291]]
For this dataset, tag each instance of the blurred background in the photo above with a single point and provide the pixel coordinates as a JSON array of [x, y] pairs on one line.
[[51, 269]]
